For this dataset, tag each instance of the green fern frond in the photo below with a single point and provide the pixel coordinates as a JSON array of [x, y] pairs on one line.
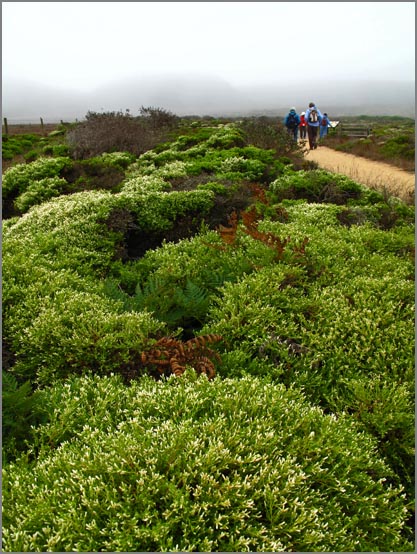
[[194, 294], [111, 289]]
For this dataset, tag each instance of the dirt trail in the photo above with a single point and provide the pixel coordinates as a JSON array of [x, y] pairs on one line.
[[373, 174]]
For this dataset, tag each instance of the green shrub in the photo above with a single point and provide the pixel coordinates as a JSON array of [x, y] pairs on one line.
[[192, 465], [30, 156], [80, 332], [343, 315], [402, 146], [118, 159], [18, 144], [39, 191], [48, 150], [20, 410], [16, 179], [217, 188], [316, 186], [60, 150]]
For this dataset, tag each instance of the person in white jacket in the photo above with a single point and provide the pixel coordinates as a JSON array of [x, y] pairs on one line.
[[313, 117]]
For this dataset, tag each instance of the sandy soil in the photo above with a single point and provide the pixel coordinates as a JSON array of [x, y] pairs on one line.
[[373, 174]]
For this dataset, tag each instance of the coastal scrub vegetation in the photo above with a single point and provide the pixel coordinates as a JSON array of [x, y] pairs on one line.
[[207, 346]]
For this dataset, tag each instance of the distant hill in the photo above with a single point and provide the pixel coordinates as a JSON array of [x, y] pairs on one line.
[[200, 95]]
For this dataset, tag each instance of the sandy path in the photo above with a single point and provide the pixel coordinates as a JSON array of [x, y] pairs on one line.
[[373, 174]]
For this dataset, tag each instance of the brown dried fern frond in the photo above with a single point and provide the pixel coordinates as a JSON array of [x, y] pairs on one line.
[[228, 234], [169, 355], [259, 193]]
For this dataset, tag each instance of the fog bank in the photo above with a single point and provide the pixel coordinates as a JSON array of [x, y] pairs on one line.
[[24, 101]]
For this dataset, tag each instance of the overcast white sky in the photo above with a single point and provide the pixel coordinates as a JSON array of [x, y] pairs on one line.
[[81, 45]]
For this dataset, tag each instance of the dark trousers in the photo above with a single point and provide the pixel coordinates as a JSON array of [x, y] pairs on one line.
[[303, 131], [293, 133], [312, 136]]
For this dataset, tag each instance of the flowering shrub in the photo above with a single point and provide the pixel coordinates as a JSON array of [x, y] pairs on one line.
[[311, 289], [193, 465], [79, 331], [40, 191], [316, 186], [343, 316], [250, 169], [19, 177], [117, 159]]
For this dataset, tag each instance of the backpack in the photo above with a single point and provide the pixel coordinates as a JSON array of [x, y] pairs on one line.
[[324, 121], [291, 121], [313, 116]]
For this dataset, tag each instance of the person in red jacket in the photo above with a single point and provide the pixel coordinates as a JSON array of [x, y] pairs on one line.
[[303, 125]]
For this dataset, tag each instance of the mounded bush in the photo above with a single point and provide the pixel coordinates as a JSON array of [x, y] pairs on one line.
[[309, 295], [17, 178], [316, 186], [82, 333], [192, 465], [341, 316], [40, 191]]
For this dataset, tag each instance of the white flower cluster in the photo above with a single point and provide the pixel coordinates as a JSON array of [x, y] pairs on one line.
[[22, 175], [145, 184], [40, 191]]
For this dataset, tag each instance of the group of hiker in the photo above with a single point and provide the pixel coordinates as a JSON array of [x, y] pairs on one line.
[[310, 124]]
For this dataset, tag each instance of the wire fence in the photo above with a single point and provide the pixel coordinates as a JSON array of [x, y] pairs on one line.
[[19, 124]]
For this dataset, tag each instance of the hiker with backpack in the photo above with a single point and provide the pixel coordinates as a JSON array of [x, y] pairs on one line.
[[324, 125], [313, 117], [291, 122], [303, 125]]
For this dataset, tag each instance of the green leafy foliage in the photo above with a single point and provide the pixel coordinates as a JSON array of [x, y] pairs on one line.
[[19, 144], [40, 191], [316, 186], [193, 465], [20, 410], [16, 179], [307, 277], [175, 305]]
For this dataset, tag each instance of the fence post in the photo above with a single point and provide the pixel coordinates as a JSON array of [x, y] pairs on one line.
[[6, 129], [42, 127]]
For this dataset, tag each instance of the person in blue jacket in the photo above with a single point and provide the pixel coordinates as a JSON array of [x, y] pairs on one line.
[[313, 117], [324, 125], [292, 122]]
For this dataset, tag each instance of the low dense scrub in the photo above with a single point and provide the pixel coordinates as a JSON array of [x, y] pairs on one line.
[[14, 145], [194, 466], [26, 147], [118, 131], [293, 288]]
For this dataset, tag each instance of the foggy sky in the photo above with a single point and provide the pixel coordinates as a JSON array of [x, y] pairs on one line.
[[199, 55]]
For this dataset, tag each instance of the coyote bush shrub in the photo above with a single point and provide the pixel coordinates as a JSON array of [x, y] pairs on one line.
[[114, 159], [71, 234], [316, 186], [81, 333], [402, 146], [12, 146], [344, 315], [40, 191], [192, 465], [16, 179]]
